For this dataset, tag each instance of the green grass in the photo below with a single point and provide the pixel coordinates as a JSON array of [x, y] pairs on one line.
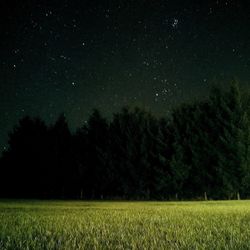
[[124, 225]]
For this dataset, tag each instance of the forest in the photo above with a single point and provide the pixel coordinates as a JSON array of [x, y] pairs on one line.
[[200, 151]]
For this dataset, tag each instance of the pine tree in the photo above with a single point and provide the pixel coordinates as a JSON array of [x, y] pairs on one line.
[[63, 173], [97, 137]]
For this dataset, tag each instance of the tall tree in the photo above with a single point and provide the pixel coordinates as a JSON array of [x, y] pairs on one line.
[[227, 128], [63, 173], [25, 159], [97, 138]]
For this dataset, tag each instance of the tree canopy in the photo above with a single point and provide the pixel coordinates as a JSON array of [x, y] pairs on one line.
[[201, 151]]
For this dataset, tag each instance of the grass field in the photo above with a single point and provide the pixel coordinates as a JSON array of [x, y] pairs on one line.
[[124, 225]]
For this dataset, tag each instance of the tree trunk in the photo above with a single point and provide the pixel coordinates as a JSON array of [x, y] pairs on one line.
[[205, 196], [238, 196], [81, 194]]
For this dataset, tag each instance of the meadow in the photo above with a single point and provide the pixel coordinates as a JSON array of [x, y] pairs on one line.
[[124, 225]]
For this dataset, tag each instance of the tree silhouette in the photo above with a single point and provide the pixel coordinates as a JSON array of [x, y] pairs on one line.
[[201, 151], [26, 158]]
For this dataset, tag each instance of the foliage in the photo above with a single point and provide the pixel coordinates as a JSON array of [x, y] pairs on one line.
[[201, 150]]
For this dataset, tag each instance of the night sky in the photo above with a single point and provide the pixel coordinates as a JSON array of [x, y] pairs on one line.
[[73, 56]]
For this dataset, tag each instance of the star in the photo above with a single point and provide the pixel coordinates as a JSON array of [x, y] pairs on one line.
[[175, 23]]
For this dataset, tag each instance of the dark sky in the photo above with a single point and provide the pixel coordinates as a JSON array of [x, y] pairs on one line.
[[75, 55]]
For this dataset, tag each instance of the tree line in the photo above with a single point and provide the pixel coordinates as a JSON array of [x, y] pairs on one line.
[[201, 151]]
